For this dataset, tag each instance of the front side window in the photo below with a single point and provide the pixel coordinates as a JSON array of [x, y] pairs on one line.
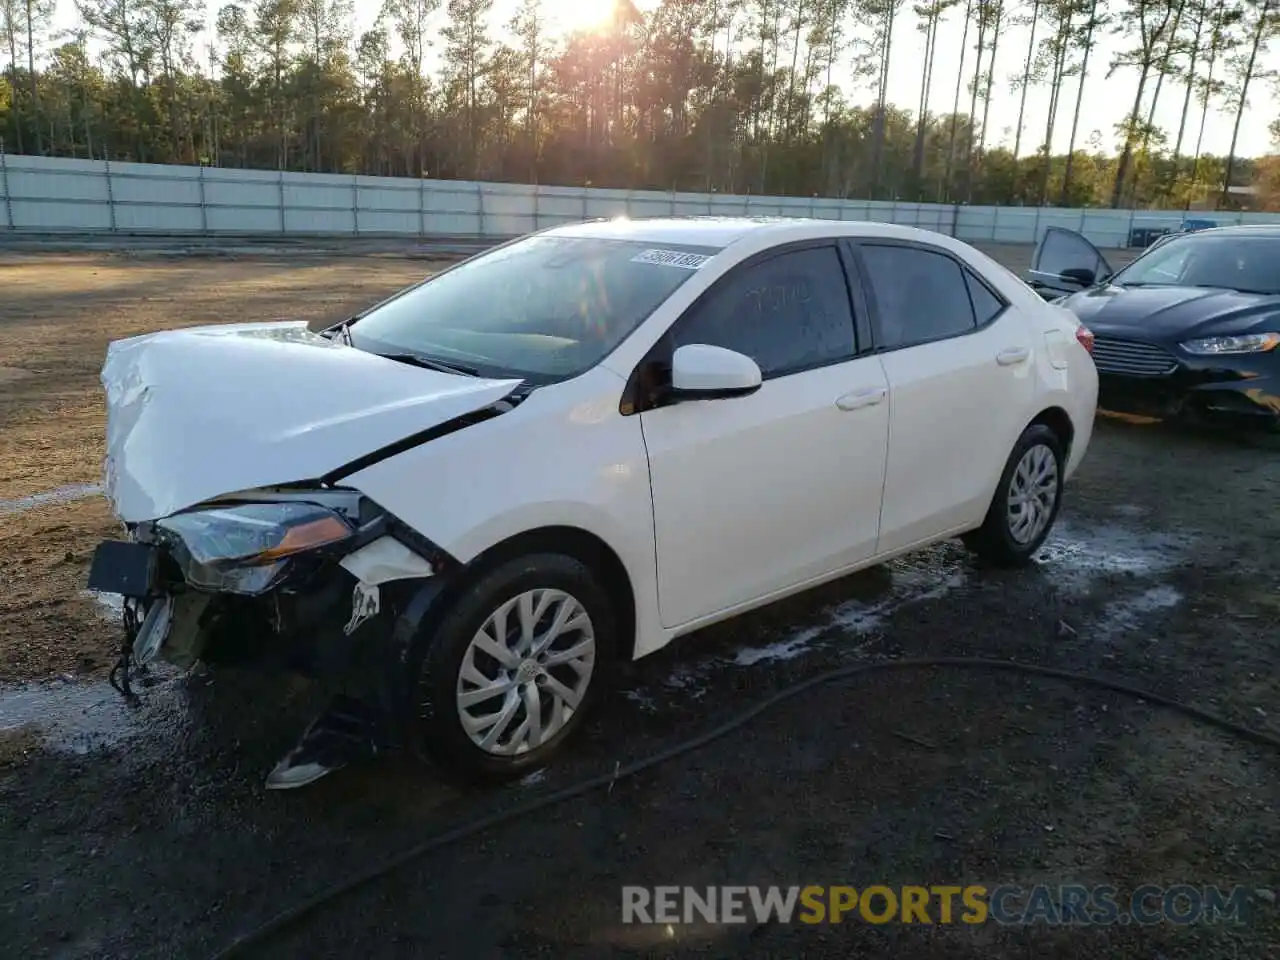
[[545, 308], [788, 313], [1247, 264], [920, 295]]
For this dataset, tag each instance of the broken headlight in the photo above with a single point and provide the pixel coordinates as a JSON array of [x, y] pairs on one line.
[[244, 548]]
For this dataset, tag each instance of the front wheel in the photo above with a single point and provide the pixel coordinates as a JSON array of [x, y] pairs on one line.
[[514, 667], [1026, 501]]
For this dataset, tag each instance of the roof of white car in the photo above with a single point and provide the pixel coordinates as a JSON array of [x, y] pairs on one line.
[[720, 232]]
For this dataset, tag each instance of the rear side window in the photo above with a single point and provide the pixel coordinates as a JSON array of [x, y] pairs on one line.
[[920, 295], [986, 305], [789, 313]]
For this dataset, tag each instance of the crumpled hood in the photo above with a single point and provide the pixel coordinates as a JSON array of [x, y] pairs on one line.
[[200, 413]]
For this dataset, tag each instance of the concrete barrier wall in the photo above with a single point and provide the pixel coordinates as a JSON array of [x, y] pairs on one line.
[[42, 195]]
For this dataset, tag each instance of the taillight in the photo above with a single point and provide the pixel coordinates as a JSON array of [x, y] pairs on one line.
[[1085, 336]]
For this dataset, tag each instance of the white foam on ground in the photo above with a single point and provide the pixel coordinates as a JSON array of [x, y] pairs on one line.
[[67, 494], [1123, 616], [856, 617], [1079, 557], [111, 604]]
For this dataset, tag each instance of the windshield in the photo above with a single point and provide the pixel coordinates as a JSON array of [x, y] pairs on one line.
[[1247, 264], [544, 308]]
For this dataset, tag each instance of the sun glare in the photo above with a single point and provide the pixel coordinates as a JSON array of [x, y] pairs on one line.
[[583, 16]]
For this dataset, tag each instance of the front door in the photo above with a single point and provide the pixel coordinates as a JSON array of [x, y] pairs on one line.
[[755, 494], [1065, 262]]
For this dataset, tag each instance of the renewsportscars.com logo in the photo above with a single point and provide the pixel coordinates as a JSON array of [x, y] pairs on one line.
[[1067, 905]]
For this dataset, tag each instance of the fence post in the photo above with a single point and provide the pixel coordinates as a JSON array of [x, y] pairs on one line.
[[280, 197], [585, 207], [1129, 236], [4, 184], [671, 202], [422, 206], [204, 211], [111, 195], [480, 205], [355, 204]]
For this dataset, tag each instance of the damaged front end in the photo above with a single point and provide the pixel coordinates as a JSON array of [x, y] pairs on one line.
[[288, 579]]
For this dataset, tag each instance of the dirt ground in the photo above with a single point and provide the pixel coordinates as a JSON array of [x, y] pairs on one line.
[[145, 833]]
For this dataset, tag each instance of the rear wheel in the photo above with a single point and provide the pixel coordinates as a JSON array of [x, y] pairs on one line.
[[516, 664], [1026, 501]]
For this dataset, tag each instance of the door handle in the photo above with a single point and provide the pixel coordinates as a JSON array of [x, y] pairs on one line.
[[861, 398], [1012, 355]]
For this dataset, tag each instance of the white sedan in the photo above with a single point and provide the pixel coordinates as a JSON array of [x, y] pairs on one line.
[[574, 448]]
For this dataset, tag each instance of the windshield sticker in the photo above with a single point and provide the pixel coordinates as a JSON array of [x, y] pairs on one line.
[[672, 258]]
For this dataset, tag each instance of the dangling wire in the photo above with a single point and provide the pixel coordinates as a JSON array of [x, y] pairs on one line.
[[119, 675]]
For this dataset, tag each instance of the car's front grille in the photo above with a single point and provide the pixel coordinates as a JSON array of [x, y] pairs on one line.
[[1131, 358]]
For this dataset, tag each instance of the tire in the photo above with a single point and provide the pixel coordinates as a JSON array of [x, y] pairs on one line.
[[448, 664], [999, 542]]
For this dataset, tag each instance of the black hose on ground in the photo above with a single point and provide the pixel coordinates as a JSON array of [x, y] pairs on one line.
[[259, 935]]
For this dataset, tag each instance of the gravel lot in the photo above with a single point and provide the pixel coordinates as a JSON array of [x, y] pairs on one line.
[[146, 833]]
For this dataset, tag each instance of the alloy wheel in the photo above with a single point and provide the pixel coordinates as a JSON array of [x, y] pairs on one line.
[[525, 672], [1033, 492]]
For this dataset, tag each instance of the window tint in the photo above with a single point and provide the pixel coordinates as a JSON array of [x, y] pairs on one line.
[[1062, 250], [786, 313], [920, 295], [985, 303]]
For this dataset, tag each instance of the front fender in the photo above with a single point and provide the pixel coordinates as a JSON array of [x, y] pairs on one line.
[[564, 457]]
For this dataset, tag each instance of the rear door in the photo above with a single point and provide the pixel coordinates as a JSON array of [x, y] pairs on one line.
[[960, 362], [1064, 261]]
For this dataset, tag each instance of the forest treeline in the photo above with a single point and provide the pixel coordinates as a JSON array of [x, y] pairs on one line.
[[743, 96]]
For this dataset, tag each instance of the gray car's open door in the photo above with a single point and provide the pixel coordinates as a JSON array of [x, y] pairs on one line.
[[1065, 262]]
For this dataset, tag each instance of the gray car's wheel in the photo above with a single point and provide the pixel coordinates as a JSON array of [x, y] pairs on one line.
[[1026, 501], [515, 665]]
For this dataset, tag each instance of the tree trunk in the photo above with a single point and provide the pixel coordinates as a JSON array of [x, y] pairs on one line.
[[878, 136], [1149, 41], [13, 90], [1264, 16], [31, 77], [1055, 91], [1126, 154], [1162, 71], [1214, 48], [991, 74], [974, 85], [926, 82], [1026, 79], [795, 59], [1075, 116], [944, 186], [1186, 99]]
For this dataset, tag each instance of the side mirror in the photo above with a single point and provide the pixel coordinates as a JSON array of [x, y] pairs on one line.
[[1081, 275], [703, 372]]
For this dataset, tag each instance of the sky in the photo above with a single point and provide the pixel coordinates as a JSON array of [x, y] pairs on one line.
[[1104, 105]]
